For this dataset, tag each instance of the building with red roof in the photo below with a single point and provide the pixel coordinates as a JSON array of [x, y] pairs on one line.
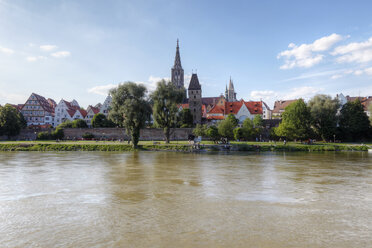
[[37, 110]]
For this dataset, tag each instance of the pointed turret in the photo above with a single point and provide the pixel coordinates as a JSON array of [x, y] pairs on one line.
[[195, 98], [177, 71], [230, 92]]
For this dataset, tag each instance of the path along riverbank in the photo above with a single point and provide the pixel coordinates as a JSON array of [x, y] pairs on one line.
[[179, 146]]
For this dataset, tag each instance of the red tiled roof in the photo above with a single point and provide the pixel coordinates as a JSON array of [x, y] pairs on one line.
[[219, 117], [281, 105], [254, 107], [217, 110], [83, 112], [44, 103], [233, 107], [71, 112]]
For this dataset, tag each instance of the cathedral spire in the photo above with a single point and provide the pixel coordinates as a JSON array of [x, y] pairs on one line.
[[177, 76]]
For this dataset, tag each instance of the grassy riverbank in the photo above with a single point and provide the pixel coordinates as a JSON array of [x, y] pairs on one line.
[[175, 146]]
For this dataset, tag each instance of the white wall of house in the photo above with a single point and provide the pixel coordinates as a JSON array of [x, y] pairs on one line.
[[106, 105], [266, 112]]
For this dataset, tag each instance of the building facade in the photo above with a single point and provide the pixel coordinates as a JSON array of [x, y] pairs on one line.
[[195, 99], [38, 110]]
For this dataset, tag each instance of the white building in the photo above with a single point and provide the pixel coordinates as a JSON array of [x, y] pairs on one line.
[[104, 109], [38, 110], [67, 111]]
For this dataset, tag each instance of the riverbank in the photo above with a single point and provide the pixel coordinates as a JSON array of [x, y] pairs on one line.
[[180, 146]]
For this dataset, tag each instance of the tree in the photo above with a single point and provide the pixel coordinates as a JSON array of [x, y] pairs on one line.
[[370, 112], [11, 121], [354, 123], [323, 110], [185, 118], [233, 119], [212, 133], [258, 121], [100, 120], [65, 124], [166, 98], [79, 123], [200, 130], [226, 128], [238, 133], [248, 129], [130, 108], [296, 121]]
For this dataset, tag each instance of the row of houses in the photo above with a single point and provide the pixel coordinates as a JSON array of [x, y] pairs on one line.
[[44, 112], [41, 111]]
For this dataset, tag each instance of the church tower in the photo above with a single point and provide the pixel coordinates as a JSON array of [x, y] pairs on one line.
[[177, 71], [195, 99], [230, 94]]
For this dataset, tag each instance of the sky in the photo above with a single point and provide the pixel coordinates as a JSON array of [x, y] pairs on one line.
[[272, 50]]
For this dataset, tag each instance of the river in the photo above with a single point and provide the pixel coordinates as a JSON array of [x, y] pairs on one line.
[[168, 199]]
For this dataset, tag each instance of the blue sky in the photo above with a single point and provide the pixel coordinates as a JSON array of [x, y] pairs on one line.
[[272, 49]]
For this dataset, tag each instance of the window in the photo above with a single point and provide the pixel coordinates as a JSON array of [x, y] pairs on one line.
[[194, 96]]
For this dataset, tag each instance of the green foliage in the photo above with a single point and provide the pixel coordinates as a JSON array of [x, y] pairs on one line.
[[100, 120], [11, 121], [88, 136], [296, 121], [238, 133], [212, 133], [54, 135], [79, 123], [258, 121], [323, 111], [248, 129], [370, 113], [65, 124], [166, 98], [232, 119], [200, 130], [185, 118], [130, 108], [354, 124], [226, 128]]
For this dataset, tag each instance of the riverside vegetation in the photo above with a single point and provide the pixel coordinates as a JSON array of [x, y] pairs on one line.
[[322, 118]]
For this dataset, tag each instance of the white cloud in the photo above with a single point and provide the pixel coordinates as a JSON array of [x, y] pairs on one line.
[[304, 92], [35, 58], [358, 72], [336, 76], [6, 50], [61, 54], [359, 52], [102, 89], [48, 48], [307, 55], [7, 97], [263, 94]]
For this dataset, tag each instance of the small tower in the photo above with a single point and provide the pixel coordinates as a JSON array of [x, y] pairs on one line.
[[230, 94], [177, 71], [195, 99]]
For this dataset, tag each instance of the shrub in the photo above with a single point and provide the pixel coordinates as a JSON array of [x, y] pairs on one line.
[[44, 136], [88, 136]]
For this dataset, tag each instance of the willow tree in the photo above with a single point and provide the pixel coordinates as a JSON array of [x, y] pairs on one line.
[[166, 99], [130, 108], [323, 110]]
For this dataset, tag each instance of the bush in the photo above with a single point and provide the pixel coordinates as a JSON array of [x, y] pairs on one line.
[[58, 133], [238, 133], [44, 136], [79, 123], [88, 136]]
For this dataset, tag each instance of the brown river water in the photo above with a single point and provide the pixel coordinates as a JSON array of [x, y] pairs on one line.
[[167, 199]]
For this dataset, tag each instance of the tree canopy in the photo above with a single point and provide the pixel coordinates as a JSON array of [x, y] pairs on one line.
[[185, 118], [226, 128], [100, 120], [296, 121], [354, 124], [11, 121], [166, 99], [130, 108], [323, 110]]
